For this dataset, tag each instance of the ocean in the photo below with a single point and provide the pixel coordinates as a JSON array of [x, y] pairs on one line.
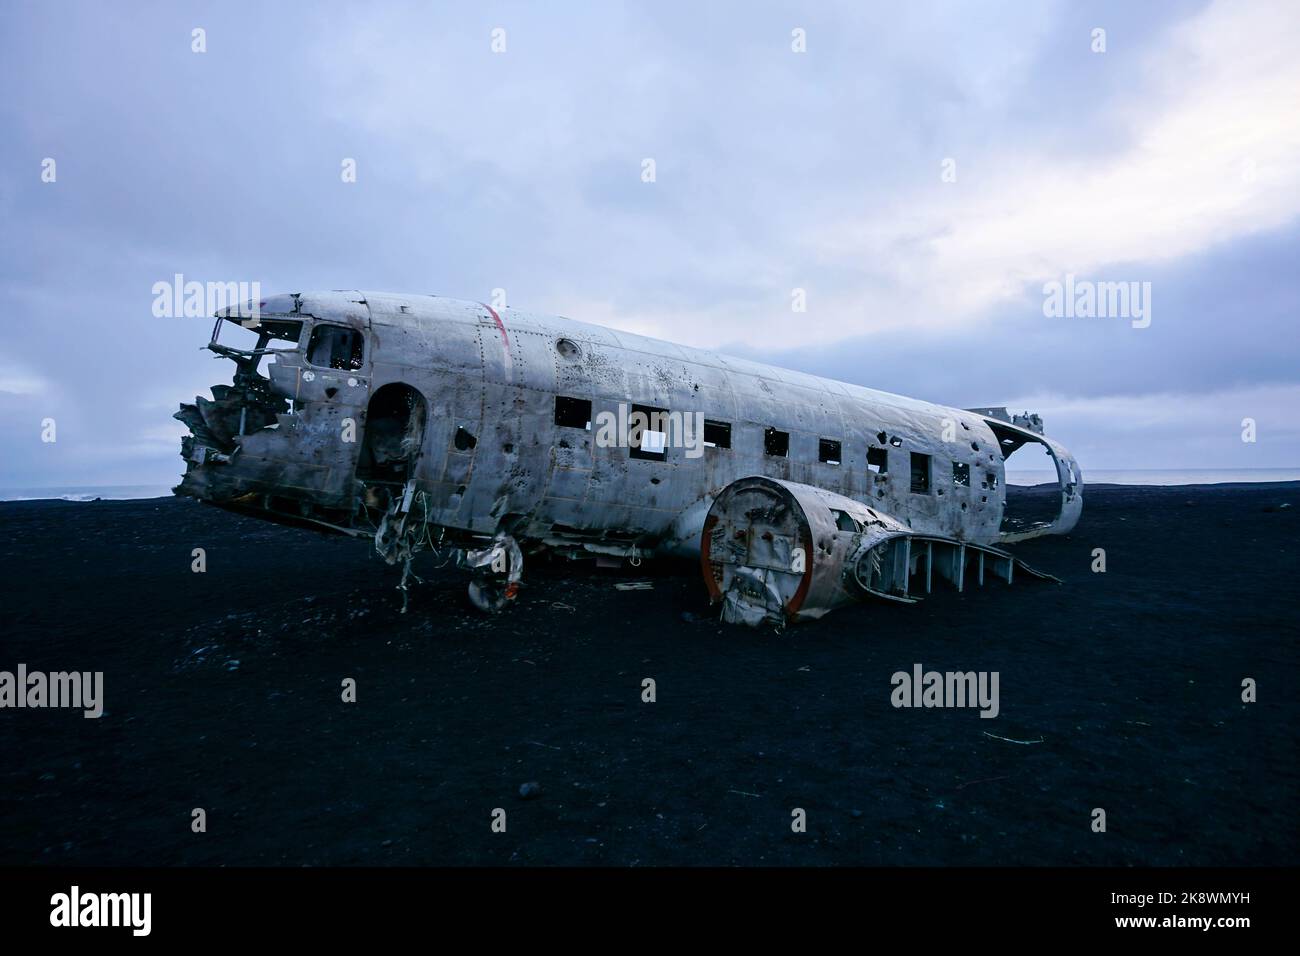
[[86, 492], [1161, 476]]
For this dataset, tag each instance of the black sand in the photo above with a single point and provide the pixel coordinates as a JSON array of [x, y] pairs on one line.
[[1131, 680]]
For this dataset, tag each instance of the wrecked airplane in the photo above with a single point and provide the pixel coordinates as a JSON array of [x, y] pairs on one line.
[[425, 423]]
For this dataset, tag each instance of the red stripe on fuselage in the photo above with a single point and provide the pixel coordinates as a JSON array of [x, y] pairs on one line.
[[500, 325]]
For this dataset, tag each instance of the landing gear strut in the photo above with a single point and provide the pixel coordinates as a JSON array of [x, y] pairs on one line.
[[497, 571]]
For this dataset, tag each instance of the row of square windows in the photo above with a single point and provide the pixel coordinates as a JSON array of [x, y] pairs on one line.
[[576, 413]]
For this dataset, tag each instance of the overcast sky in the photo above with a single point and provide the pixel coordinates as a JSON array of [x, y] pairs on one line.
[[921, 171]]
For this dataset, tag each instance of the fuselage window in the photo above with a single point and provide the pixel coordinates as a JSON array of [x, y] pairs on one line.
[[776, 443], [572, 412], [846, 522], [877, 460], [920, 473], [961, 474], [828, 450], [335, 346], [648, 433], [717, 434]]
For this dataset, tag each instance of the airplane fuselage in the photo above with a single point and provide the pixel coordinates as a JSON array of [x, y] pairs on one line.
[[494, 414]]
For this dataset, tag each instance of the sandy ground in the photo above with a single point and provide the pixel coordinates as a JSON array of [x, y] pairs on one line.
[[223, 691]]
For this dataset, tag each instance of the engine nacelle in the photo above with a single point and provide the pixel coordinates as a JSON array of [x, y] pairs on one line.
[[781, 551]]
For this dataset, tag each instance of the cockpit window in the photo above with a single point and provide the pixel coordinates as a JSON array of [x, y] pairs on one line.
[[280, 330], [251, 334], [335, 346]]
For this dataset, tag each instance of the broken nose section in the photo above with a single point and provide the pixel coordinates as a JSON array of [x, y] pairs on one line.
[[218, 425], [274, 441], [234, 410]]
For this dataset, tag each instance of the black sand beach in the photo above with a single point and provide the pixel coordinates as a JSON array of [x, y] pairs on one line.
[[223, 692]]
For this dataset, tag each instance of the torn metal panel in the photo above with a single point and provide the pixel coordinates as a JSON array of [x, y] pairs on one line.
[[1012, 437]]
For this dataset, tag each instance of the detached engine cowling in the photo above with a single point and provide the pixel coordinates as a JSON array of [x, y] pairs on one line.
[[780, 551]]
